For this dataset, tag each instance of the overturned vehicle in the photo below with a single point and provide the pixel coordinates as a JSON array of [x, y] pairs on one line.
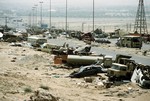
[[142, 77]]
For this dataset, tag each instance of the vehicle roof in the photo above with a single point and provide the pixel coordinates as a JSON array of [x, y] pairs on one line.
[[123, 56], [90, 66], [108, 56], [35, 37], [131, 36], [119, 64], [127, 59]]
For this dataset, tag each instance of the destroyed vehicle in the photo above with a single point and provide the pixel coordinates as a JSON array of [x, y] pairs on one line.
[[1, 36], [62, 50], [36, 41], [130, 41], [98, 40], [142, 77], [82, 50], [9, 37], [123, 59], [144, 82], [88, 37], [80, 60], [88, 71], [119, 72]]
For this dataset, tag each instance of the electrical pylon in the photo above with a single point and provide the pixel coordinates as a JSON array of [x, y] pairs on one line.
[[140, 21]]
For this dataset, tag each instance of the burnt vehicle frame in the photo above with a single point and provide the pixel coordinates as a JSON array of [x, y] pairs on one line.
[[89, 70]]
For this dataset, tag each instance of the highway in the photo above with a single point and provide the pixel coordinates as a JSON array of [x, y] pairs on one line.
[[99, 50]]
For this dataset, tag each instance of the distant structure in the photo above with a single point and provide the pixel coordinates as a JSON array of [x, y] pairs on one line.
[[140, 21]]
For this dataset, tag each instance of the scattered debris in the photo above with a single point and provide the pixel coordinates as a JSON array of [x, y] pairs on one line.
[[36, 41], [102, 41], [16, 44], [44, 87], [42, 96], [141, 75], [87, 71], [88, 79]]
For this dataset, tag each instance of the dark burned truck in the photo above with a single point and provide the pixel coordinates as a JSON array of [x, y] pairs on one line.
[[130, 41], [122, 68]]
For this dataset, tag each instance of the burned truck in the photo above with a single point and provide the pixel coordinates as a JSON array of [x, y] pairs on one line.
[[88, 38], [122, 68], [123, 59], [130, 41], [119, 71]]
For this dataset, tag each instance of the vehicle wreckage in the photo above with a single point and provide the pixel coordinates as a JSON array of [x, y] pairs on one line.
[[141, 76], [65, 49], [36, 41], [122, 68], [87, 71], [131, 41]]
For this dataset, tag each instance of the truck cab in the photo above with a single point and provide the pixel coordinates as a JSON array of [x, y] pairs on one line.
[[118, 71], [123, 59]]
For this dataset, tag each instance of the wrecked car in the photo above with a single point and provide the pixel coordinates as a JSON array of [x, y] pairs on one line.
[[82, 50], [142, 77], [88, 71]]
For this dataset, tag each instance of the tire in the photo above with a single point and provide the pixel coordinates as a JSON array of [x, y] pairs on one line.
[[112, 78], [128, 76]]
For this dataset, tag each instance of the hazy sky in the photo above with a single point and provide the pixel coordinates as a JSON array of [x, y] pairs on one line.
[[74, 3]]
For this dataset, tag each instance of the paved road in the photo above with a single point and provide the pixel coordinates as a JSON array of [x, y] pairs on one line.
[[138, 58]]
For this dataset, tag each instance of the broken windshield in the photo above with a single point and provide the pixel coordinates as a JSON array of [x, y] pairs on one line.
[[115, 67]]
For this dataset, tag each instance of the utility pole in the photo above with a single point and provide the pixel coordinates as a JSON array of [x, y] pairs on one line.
[[140, 21], [6, 21], [41, 14], [50, 21], [104, 28], [127, 27], [66, 15], [93, 16], [5, 28], [130, 27], [29, 19], [36, 14], [33, 15], [83, 26]]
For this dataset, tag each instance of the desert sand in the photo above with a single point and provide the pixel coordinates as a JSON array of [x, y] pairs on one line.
[[24, 70]]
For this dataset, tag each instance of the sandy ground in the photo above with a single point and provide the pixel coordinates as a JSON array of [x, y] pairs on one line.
[[22, 68]]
